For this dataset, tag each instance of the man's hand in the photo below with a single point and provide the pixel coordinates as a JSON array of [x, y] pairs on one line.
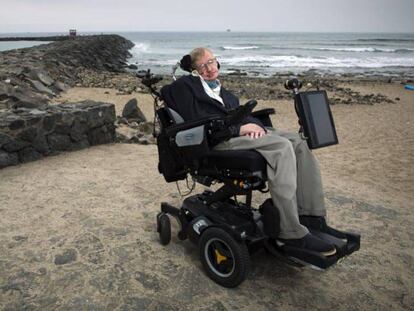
[[252, 130]]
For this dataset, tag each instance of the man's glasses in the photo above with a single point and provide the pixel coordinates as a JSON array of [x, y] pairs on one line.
[[210, 62]]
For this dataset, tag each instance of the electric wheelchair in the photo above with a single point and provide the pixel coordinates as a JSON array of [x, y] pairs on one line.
[[226, 230]]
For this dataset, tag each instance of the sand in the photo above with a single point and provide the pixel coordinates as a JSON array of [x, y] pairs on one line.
[[77, 230]]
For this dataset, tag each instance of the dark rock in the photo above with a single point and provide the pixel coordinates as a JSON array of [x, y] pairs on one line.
[[59, 142], [132, 112], [121, 120], [27, 99], [4, 139], [69, 255], [44, 78], [60, 86], [7, 159], [102, 135], [16, 124], [95, 118], [49, 123], [78, 130], [132, 66], [146, 127], [81, 144], [41, 88], [41, 144], [64, 123], [15, 145], [33, 120], [29, 154], [146, 140], [28, 134]]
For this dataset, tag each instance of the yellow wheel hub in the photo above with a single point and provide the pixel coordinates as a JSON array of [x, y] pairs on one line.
[[219, 257]]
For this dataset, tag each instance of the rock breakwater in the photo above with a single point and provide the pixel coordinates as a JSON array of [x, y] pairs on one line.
[[31, 77]]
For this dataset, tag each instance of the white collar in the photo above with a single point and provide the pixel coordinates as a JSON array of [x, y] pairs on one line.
[[213, 93]]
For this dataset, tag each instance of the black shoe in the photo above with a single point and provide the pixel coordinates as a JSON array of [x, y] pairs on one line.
[[309, 242]]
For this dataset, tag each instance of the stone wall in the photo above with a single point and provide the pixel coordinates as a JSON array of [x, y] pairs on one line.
[[29, 134]]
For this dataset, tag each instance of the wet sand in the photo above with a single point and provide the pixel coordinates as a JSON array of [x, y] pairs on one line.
[[77, 230]]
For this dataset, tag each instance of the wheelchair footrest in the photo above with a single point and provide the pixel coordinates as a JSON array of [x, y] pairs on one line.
[[307, 257], [344, 242]]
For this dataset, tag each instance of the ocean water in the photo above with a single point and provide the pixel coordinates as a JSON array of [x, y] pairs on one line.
[[273, 53]]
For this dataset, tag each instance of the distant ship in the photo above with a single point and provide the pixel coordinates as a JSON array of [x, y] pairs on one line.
[[228, 30]]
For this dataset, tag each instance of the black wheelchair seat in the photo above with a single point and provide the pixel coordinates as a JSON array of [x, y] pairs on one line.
[[241, 160]]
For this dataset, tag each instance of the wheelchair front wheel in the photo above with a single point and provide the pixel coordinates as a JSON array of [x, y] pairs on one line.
[[164, 228], [226, 261]]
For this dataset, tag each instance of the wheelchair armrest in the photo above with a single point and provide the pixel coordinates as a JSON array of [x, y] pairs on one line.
[[264, 116], [174, 129]]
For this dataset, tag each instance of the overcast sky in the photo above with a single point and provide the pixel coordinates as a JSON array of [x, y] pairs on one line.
[[192, 15]]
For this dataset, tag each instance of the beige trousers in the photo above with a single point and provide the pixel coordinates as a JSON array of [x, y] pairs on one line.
[[294, 177]]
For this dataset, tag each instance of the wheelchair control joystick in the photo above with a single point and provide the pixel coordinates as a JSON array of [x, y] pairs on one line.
[[148, 78]]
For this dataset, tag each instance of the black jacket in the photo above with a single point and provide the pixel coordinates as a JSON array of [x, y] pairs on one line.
[[187, 96]]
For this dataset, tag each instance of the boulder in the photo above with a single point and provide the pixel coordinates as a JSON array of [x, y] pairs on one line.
[[146, 128], [41, 88], [132, 113], [44, 78], [125, 134], [60, 86]]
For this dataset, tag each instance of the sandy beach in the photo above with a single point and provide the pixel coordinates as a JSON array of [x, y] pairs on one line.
[[77, 230]]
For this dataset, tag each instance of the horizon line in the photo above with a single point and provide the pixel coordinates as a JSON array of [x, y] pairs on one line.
[[214, 31]]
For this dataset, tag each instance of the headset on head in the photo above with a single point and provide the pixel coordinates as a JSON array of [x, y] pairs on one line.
[[185, 63]]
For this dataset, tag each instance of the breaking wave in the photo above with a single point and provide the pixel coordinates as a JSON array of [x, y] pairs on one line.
[[252, 47], [140, 47], [317, 62]]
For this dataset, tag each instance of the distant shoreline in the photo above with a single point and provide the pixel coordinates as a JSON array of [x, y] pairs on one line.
[[49, 38]]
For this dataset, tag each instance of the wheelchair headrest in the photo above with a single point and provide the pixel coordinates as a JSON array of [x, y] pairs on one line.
[[185, 63]]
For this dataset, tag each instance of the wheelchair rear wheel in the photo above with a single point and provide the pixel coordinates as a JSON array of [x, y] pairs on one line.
[[226, 261], [164, 228]]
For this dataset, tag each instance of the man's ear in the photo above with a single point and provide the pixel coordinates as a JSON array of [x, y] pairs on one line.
[[185, 63]]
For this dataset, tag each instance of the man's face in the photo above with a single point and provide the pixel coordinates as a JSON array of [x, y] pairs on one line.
[[207, 66]]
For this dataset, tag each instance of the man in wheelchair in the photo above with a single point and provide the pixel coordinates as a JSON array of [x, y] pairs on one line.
[[250, 153]]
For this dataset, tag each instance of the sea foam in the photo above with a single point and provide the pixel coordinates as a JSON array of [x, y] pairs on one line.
[[285, 61], [253, 47]]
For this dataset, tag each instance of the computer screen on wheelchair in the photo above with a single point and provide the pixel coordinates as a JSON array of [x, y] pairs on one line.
[[316, 118]]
